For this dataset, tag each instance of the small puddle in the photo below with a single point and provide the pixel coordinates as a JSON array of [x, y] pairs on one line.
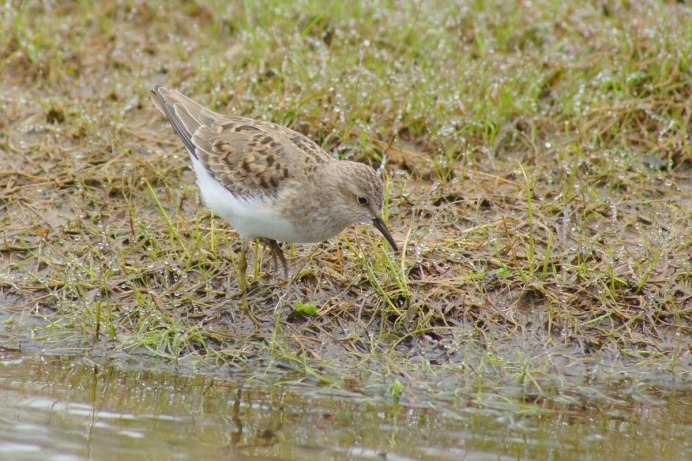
[[57, 408]]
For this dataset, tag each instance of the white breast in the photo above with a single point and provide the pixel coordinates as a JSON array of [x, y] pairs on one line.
[[250, 216]]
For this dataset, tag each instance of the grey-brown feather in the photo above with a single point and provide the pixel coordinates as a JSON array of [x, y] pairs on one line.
[[249, 157]]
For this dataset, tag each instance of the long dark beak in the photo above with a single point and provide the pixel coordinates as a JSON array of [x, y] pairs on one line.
[[377, 222]]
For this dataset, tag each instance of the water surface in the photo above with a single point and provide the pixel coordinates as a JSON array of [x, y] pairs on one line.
[[58, 408]]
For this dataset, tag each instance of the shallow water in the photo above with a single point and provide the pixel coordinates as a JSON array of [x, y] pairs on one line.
[[57, 408]]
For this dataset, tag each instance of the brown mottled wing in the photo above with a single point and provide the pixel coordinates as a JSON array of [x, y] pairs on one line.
[[251, 161], [298, 139], [248, 157]]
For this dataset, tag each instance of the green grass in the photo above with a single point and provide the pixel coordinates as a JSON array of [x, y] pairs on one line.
[[538, 181]]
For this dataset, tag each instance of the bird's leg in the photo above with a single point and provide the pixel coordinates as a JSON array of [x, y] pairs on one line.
[[267, 243], [242, 280], [277, 252], [242, 271]]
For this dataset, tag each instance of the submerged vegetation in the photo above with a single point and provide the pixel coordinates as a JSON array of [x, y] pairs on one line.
[[537, 156]]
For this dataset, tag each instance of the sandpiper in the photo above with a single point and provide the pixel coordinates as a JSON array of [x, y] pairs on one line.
[[270, 182]]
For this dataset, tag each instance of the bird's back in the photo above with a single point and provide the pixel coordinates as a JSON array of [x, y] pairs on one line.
[[246, 156]]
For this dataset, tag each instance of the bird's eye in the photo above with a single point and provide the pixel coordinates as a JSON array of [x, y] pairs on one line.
[[363, 200]]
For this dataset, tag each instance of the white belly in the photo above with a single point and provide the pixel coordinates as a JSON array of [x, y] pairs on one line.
[[250, 217]]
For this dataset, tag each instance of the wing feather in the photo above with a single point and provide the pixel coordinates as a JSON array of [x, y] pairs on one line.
[[248, 157]]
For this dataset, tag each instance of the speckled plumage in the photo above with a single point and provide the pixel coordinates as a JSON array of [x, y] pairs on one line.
[[247, 156], [269, 181]]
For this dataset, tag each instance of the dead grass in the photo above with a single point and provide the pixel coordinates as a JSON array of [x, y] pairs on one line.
[[538, 160]]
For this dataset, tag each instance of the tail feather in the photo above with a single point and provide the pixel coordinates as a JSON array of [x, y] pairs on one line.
[[185, 115]]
